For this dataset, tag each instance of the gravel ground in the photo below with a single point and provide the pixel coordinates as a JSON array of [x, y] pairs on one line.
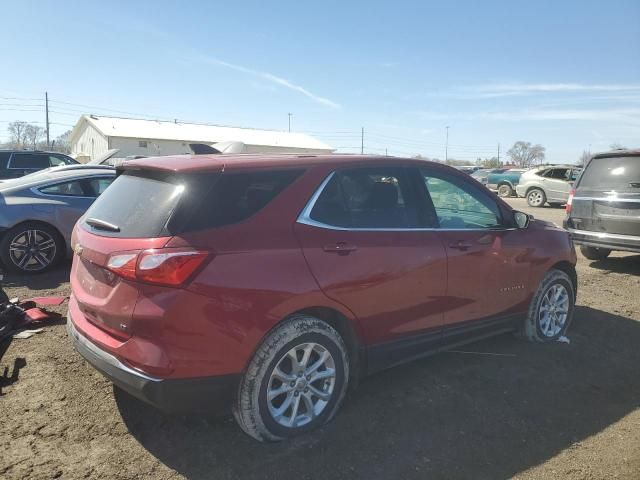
[[538, 412]]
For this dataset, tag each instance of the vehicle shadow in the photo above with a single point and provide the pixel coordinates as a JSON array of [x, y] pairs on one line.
[[628, 264], [454, 415], [39, 281], [7, 378]]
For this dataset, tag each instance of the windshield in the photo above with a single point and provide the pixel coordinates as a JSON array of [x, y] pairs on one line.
[[615, 174]]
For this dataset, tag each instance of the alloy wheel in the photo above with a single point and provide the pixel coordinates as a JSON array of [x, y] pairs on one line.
[[301, 385], [32, 250], [554, 310], [535, 198]]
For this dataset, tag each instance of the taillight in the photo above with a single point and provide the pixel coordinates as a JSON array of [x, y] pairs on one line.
[[170, 267], [570, 200]]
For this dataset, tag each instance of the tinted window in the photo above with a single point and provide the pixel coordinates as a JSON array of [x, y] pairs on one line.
[[56, 160], [151, 205], [557, 173], [73, 188], [29, 160], [621, 174], [459, 204], [367, 198], [218, 200], [96, 186], [4, 157]]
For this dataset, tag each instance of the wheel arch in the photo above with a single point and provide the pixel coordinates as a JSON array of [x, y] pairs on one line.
[[570, 270], [42, 222]]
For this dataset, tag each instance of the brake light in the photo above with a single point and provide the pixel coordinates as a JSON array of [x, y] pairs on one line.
[[570, 200], [170, 267]]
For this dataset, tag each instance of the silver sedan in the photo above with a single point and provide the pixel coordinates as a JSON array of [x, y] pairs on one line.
[[38, 212]]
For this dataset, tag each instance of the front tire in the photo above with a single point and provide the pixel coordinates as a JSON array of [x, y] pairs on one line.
[[295, 382], [32, 247], [551, 308], [536, 197], [594, 253], [505, 190]]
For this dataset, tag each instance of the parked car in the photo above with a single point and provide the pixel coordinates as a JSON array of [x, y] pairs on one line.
[[270, 283], [468, 169], [548, 184], [603, 211], [505, 182], [482, 175], [16, 163], [38, 212]]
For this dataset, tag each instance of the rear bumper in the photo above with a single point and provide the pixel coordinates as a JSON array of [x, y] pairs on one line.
[[204, 394], [629, 243], [520, 190]]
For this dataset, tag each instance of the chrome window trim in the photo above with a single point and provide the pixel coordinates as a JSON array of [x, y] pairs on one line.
[[305, 219]]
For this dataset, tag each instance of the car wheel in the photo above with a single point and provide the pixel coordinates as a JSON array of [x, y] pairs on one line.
[[295, 382], [536, 197], [551, 308], [31, 247], [505, 191], [594, 253]]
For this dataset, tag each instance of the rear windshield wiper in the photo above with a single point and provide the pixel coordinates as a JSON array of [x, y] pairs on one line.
[[102, 225]]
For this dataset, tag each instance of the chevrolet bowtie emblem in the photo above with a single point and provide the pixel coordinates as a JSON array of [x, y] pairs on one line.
[[78, 249]]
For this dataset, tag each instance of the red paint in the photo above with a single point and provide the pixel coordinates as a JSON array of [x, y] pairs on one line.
[[388, 285]]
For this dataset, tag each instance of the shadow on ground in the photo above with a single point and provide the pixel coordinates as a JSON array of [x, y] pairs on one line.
[[628, 264], [39, 281], [449, 416]]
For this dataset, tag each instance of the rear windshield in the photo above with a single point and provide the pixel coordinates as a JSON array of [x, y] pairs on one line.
[[620, 174], [148, 204]]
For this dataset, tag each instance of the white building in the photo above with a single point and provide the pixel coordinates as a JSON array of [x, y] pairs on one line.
[[94, 135]]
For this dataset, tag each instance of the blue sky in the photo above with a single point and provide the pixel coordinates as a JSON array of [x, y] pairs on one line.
[[565, 74]]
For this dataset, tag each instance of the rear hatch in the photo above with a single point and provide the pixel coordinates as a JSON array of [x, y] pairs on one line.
[[607, 196], [127, 227]]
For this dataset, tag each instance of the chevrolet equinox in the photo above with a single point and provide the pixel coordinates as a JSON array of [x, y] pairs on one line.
[[268, 284]]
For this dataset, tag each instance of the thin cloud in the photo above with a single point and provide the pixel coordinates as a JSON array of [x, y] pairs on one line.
[[488, 91], [269, 77]]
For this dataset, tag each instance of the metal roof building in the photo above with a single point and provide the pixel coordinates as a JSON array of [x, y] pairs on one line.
[[94, 135]]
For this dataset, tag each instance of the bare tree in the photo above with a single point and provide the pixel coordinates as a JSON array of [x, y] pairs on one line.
[[524, 154], [33, 134], [18, 133], [61, 143]]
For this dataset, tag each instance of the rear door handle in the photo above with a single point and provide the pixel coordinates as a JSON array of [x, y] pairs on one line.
[[461, 245], [340, 248]]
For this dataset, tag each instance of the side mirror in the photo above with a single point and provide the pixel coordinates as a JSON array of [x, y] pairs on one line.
[[521, 219]]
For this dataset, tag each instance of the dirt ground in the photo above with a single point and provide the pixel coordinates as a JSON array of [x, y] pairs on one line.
[[536, 412]]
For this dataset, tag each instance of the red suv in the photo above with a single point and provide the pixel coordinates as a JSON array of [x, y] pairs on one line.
[[270, 283]]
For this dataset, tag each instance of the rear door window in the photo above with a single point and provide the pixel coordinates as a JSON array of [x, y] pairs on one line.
[[619, 174], [29, 161], [69, 189], [378, 198]]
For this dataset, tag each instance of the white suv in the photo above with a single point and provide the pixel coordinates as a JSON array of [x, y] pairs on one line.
[[547, 184]]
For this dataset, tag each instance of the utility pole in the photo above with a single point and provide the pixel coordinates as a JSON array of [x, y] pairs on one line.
[[446, 147], [498, 154], [362, 142], [46, 109], [290, 115], [386, 152]]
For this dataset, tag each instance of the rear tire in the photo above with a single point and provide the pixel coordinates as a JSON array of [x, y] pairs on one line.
[[551, 309], [536, 197], [594, 253], [32, 247], [505, 190], [278, 397]]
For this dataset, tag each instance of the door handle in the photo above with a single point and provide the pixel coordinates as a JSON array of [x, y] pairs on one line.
[[461, 245], [341, 248]]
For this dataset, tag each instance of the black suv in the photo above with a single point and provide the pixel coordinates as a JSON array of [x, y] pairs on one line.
[[603, 211], [16, 163]]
